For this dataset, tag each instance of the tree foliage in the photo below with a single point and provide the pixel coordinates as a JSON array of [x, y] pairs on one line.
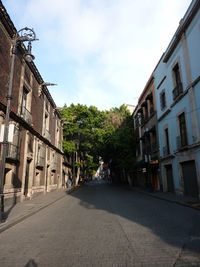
[[95, 133], [119, 145]]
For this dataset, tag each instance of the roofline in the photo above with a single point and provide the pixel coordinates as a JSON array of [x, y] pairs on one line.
[[146, 87], [10, 28], [184, 23]]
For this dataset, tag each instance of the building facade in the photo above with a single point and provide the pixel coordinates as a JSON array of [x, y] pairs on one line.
[[177, 90], [145, 122], [34, 158]]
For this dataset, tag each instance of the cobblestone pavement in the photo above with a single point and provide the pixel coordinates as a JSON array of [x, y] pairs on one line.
[[105, 225]]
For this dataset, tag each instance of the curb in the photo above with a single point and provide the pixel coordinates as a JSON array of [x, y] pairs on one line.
[[6, 225], [168, 200]]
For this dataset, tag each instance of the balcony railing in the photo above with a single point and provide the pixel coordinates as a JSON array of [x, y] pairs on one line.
[[54, 164], [142, 120], [47, 135], [13, 152], [136, 122], [181, 142], [166, 151], [60, 145], [154, 146], [152, 110], [177, 91], [146, 117], [144, 151], [148, 149], [40, 161], [26, 115], [41, 157]]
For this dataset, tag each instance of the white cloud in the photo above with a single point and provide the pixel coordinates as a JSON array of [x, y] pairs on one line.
[[112, 45]]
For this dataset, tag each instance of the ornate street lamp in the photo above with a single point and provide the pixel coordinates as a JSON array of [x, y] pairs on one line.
[[23, 35]]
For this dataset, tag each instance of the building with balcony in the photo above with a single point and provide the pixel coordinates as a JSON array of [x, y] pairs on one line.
[[34, 157], [147, 149], [177, 90]]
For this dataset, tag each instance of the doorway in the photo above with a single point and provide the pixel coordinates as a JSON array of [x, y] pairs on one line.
[[190, 178], [170, 180], [27, 177]]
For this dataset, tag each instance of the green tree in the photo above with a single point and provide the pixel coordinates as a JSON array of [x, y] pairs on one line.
[[119, 141], [89, 134], [83, 132]]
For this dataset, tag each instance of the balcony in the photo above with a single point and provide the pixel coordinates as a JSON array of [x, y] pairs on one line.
[[144, 151], [41, 157], [54, 164], [142, 120], [60, 146], [136, 122], [146, 117], [151, 110], [47, 135], [181, 141], [177, 91], [166, 151], [154, 146], [148, 149], [26, 115], [13, 152]]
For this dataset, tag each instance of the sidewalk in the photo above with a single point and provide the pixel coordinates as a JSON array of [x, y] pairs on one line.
[[187, 201], [20, 211]]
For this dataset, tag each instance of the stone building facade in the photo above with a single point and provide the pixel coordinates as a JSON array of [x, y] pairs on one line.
[[34, 159]]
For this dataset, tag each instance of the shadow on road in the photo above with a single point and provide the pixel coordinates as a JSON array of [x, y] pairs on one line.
[[7, 212], [31, 263], [176, 225]]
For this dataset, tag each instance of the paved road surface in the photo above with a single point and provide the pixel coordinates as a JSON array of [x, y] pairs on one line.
[[105, 225]]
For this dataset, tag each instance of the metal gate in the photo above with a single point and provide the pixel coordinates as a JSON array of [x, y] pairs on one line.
[[190, 178]]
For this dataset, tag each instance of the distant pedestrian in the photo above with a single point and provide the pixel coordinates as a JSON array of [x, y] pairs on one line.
[[68, 183]]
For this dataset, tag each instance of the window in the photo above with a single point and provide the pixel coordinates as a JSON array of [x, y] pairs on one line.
[[25, 113], [162, 100], [177, 77], [183, 130], [24, 99], [177, 82], [136, 121], [46, 126], [154, 141], [167, 149]]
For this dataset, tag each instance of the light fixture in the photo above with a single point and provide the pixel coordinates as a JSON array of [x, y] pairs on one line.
[[28, 55]]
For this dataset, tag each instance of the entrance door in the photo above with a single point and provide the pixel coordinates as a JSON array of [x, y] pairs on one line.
[[190, 178], [47, 177], [170, 181], [154, 178], [27, 178]]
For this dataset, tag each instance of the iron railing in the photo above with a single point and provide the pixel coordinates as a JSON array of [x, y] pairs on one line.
[[54, 163], [13, 152], [151, 110], [166, 151], [177, 91], [41, 157], [47, 135], [154, 146], [26, 115], [181, 142]]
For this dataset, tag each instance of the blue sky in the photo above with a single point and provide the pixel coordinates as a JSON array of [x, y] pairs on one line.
[[99, 52]]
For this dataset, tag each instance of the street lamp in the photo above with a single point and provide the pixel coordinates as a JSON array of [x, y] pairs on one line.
[[45, 84], [23, 35]]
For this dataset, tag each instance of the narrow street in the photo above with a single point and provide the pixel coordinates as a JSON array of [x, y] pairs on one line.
[[105, 225]]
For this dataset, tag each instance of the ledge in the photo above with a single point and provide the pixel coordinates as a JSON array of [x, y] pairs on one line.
[[164, 114]]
